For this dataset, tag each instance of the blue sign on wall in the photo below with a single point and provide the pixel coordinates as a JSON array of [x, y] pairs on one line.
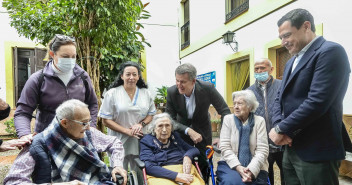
[[208, 77]]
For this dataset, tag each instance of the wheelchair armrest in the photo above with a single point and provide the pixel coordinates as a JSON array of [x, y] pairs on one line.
[[216, 149], [139, 163]]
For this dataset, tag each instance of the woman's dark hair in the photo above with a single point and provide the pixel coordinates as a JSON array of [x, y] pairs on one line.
[[118, 81], [58, 41]]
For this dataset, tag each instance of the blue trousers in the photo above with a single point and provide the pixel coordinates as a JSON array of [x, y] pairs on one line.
[[228, 176]]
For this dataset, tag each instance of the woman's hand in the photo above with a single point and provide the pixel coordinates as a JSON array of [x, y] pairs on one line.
[[245, 173], [27, 138], [187, 165], [184, 178], [12, 144], [129, 132], [119, 170], [137, 128]]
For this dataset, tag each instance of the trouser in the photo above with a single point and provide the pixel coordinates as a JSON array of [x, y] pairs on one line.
[[272, 158], [228, 176], [299, 172]]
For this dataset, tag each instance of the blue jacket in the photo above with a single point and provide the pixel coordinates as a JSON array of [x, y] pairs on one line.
[[266, 112], [155, 156], [309, 104]]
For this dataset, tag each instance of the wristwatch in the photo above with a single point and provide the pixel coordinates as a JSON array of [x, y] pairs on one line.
[[143, 123], [278, 130]]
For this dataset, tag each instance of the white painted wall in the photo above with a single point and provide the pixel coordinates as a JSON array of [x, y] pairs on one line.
[[7, 33], [161, 31], [333, 15]]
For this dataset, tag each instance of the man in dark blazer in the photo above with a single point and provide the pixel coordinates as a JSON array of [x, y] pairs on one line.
[[308, 109], [188, 103]]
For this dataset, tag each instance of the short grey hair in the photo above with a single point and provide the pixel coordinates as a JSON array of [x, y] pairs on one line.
[[187, 68], [152, 124], [262, 60], [248, 97], [67, 109]]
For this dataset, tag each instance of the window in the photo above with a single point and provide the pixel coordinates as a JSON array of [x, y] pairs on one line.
[[235, 8], [26, 62], [185, 27], [282, 56], [240, 73]]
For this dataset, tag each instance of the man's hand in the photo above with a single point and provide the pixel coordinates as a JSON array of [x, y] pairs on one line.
[[279, 139], [28, 138], [119, 170], [184, 178], [3, 105], [187, 165], [12, 144], [195, 136]]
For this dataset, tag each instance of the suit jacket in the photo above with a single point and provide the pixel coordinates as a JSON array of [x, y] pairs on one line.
[[309, 103], [205, 94]]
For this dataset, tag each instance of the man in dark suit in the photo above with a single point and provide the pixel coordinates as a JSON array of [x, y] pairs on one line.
[[308, 109], [188, 103]]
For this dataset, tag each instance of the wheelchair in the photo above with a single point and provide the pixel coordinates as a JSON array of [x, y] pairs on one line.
[[132, 175], [209, 154]]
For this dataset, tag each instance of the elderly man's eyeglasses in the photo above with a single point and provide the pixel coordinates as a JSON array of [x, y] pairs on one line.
[[85, 124]]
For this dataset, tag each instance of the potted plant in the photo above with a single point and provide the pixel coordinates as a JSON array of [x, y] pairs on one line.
[[215, 124], [160, 99]]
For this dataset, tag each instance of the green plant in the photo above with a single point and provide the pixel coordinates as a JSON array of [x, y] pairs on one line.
[[217, 121], [10, 127], [107, 32], [161, 94]]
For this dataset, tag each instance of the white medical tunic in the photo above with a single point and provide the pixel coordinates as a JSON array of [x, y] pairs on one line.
[[118, 107]]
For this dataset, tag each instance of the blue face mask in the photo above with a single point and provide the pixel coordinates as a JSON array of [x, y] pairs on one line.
[[262, 77], [66, 64]]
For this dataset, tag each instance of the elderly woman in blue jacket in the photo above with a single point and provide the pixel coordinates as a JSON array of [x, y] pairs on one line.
[[167, 157]]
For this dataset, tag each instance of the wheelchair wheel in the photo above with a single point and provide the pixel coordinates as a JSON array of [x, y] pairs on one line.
[[132, 178]]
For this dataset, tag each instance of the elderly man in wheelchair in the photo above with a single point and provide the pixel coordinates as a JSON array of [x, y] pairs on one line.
[[66, 152], [168, 159]]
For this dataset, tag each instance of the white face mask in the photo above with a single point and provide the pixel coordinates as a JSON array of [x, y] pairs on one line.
[[66, 64]]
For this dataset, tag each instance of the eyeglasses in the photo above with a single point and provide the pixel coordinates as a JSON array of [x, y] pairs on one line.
[[59, 37], [85, 124], [64, 37]]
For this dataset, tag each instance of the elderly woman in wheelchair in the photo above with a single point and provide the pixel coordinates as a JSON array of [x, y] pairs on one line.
[[243, 144], [168, 159]]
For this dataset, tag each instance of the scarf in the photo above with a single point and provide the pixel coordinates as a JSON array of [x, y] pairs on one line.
[[73, 160], [244, 153]]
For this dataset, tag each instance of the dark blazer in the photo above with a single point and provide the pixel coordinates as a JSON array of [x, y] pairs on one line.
[[205, 94], [309, 103]]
